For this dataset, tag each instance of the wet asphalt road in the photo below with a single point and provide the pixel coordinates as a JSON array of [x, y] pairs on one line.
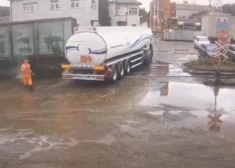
[[156, 117]]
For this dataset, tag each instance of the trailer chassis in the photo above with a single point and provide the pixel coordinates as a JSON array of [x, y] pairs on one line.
[[112, 69]]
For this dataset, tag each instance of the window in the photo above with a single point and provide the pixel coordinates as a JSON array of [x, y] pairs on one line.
[[93, 5], [54, 4], [30, 7], [74, 3], [133, 11]]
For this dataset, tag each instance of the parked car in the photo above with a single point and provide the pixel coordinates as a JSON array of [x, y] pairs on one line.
[[199, 40], [207, 50], [231, 52]]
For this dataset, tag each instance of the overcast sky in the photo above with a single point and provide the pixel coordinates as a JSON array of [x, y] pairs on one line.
[[145, 2], [202, 2]]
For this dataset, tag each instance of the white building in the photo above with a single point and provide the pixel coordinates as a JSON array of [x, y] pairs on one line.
[[85, 11], [124, 12]]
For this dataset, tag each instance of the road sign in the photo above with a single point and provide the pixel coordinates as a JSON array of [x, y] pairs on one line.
[[222, 50], [223, 44], [223, 36]]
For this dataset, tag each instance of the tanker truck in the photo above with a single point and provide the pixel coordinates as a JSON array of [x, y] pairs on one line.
[[107, 53]]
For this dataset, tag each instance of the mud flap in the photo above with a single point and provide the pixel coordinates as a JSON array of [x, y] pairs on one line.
[[148, 57]]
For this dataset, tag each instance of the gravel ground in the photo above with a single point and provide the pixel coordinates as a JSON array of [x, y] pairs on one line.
[[156, 117]]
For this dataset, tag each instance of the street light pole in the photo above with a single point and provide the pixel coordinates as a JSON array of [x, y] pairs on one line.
[[158, 9]]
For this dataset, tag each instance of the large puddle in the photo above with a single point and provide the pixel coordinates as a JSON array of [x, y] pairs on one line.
[[196, 105], [167, 70]]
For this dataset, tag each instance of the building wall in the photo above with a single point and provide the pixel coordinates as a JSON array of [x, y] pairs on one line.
[[120, 13], [163, 9], [185, 13], [112, 13], [233, 27], [167, 8], [133, 21], [187, 10], [84, 14]]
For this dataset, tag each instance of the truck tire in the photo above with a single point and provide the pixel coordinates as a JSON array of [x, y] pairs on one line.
[[121, 69], [148, 57], [114, 74], [127, 66]]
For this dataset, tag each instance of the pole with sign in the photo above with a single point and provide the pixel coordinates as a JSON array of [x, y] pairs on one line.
[[222, 49]]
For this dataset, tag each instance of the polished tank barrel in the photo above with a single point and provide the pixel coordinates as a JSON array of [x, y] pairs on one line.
[[92, 48]]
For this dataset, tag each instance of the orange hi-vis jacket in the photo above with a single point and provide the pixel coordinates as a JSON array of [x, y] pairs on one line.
[[26, 72]]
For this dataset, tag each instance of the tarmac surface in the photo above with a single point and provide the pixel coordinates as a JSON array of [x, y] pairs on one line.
[[158, 116]]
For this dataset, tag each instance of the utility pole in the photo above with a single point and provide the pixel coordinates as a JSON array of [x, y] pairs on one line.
[[210, 4], [158, 9], [151, 12], [154, 14], [217, 4]]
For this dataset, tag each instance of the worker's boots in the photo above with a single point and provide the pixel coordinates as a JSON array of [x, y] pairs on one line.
[[31, 88], [25, 86]]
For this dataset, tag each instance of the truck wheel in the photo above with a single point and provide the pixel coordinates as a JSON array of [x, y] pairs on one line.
[[114, 75], [127, 66], [121, 69], [148, 57]]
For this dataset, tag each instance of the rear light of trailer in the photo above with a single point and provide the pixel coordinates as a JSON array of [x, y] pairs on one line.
[[66, 66], [99, 68]]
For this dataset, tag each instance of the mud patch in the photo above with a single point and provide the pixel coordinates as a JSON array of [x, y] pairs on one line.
[[25, 143]]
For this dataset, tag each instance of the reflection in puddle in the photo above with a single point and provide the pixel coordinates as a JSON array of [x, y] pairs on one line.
[[169, 70], [215, 121], [196, 105], [194, 96]]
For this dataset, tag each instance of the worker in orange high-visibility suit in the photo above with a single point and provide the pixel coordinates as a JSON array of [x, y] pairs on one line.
[[27, 74]]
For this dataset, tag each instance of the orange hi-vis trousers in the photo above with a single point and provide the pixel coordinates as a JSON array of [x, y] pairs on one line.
[[27, 80], [27, 76]]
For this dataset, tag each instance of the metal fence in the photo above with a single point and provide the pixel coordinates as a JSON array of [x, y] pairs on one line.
[[180, 35]]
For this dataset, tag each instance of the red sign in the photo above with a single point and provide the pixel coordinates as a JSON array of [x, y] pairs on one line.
[[223, 36], [85, 58]]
